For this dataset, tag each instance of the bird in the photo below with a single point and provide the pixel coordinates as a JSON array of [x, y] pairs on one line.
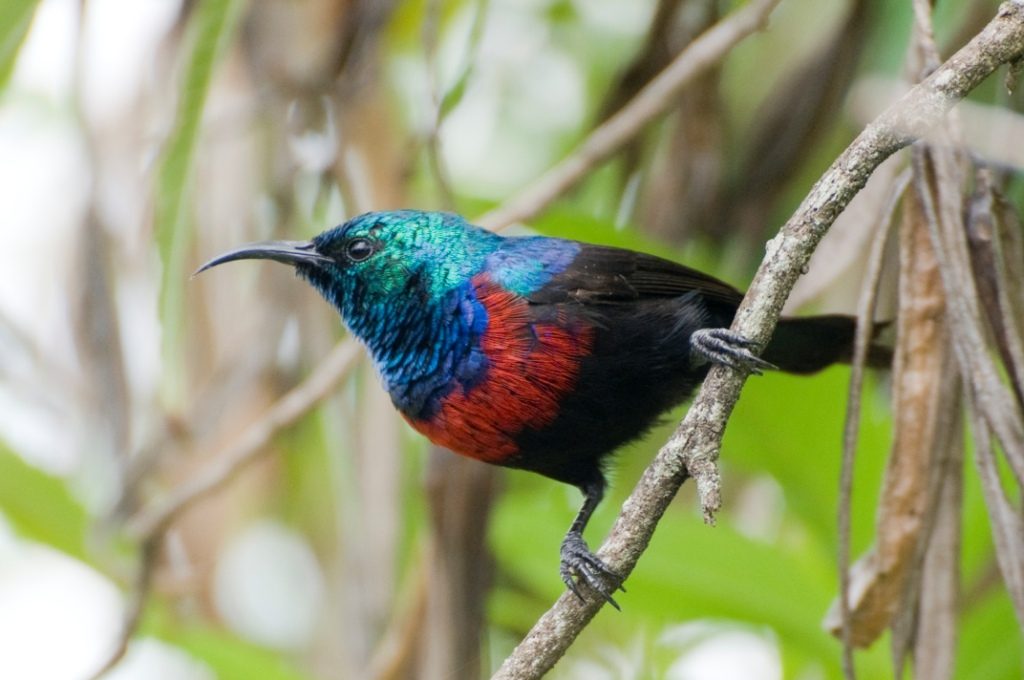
[[533, 352]]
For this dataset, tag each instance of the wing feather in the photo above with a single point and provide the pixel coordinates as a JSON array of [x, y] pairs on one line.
[[607, 275]]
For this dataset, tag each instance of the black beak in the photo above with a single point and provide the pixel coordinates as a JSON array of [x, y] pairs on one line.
[[288, 252]]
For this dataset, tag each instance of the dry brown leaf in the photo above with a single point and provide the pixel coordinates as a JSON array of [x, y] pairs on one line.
[[921, 398]]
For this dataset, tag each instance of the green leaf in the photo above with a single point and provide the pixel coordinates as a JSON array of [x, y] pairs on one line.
[[989, 642], [15, 20], [210, 33], [791, 427], [40, 506], [454, 95]]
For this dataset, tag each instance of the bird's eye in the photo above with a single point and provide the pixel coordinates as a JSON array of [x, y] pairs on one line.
[[358, 249]]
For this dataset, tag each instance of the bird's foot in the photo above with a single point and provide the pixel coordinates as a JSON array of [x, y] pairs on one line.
[[579, 565], [723, 346]]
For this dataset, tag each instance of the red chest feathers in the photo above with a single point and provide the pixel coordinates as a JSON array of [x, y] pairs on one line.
[[531, 365]]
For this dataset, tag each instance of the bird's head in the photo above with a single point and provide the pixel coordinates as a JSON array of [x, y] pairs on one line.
[[381, 261]]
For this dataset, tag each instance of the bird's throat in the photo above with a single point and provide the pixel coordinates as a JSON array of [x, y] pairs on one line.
[[423, 349]]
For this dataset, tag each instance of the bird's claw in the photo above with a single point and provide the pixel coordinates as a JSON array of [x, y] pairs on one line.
[[723, 346], [579, 565]]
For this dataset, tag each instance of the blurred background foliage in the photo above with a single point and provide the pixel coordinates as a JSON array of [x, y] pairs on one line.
[[141, 137]]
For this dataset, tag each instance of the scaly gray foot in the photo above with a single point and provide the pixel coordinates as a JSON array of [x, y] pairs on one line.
[[723, 346], [579, 565]]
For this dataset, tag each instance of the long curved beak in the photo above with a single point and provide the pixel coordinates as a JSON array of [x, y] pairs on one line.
[[288, 252]]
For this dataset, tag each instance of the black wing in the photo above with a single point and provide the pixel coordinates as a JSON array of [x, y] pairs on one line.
[[607, 275]]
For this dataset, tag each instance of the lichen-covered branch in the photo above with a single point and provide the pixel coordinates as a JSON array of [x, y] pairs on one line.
[[693, 448]]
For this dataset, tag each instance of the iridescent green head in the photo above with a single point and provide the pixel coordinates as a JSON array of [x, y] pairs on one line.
[[383, 256]]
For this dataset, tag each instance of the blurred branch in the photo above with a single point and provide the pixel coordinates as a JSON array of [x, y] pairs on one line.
[[460, 497], [252, 443], [667, 35], [392, 658], [650, 103], [782, 135], [444, 100], [682, 182], [653, 56], [994, 235], [692, 450], [149, 550]]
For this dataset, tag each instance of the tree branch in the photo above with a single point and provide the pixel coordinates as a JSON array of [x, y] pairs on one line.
[[692, 450], [136, 604]]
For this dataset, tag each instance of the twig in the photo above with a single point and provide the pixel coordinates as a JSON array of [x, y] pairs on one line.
[[693, 448], [865, 333], [1005, 520], [285, 411], [397, 643], [149, 550], [650, 103], [998, 265]]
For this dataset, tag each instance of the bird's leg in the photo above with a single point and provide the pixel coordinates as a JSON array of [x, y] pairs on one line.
[[723, 346], [578, 563]]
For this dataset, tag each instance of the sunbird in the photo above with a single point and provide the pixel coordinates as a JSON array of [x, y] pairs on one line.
[[532, 352]]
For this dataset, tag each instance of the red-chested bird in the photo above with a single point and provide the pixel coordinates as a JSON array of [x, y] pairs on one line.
[[532, 352]]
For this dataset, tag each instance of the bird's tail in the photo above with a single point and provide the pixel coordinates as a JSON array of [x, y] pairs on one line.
[[809, 344]]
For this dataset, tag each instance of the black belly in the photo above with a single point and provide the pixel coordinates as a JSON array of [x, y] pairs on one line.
[[638, 369]]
